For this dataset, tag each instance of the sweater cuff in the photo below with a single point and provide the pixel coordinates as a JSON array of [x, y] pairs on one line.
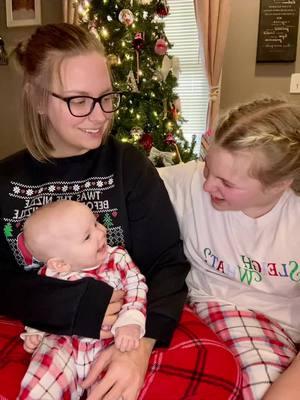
[[91, 309], [160, 328]]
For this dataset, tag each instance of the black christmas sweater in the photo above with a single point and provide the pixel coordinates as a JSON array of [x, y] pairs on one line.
[[123, 189]]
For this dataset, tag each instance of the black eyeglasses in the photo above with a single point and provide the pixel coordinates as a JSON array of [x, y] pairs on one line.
[[82, 106]]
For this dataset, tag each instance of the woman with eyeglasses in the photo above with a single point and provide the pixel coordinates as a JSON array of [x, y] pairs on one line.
[[68, 106]]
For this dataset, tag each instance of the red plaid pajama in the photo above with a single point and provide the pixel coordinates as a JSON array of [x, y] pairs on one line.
[[58, 365], [262, 347], [196, 366]]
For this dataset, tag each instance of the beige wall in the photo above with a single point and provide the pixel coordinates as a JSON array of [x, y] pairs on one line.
[[242, 78], [10, 82]]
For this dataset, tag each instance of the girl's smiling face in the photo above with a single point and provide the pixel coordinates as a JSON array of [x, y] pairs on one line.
[[231, 187]]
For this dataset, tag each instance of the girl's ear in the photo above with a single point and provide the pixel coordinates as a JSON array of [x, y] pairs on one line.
[[283, 185], [58, 265]]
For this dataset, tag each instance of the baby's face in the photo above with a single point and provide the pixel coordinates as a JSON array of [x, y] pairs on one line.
[[83, 243]]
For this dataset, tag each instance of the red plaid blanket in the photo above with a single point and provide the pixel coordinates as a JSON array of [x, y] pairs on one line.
[[13, 359], [196, 366]]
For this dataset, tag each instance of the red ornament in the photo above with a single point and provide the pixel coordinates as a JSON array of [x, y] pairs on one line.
[[146, 141], [170, 139], [138, 41], [162, 9], [174, 112], [161, 47]]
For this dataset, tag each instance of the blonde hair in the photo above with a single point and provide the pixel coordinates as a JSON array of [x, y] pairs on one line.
[[271, 128], [40, 58]]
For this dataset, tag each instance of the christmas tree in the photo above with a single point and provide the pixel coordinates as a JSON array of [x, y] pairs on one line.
[[132, 32]]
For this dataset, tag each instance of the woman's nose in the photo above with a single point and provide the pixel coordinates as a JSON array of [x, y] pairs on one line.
[[98, 114]]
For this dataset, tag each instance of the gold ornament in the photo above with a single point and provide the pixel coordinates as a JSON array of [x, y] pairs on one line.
[[136, 132], [126, 17], [112, 59]]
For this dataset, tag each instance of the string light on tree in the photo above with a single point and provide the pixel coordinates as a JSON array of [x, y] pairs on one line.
[[145, 2], [104, 32]]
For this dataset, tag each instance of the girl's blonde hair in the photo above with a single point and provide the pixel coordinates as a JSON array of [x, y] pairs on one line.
[[40, 58], [271, 128]]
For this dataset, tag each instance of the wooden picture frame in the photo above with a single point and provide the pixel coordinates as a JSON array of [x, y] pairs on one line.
[[23, 13]]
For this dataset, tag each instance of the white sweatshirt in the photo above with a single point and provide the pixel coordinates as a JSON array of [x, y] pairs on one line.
[[236, 259]]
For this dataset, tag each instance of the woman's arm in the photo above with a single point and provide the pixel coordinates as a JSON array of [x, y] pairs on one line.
[[155, 246], [51, 305], [152, 240]]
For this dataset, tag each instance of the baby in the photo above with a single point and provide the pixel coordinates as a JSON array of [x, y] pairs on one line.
[[66, 237]]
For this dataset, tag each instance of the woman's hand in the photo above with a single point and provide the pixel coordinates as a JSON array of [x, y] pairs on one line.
[[112, 313], [287, 385], [124, 372]]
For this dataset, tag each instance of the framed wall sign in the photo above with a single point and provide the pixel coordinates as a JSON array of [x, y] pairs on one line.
[[278, 30], [23, 12]]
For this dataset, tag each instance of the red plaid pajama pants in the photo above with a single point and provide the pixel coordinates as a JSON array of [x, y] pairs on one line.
[[58, 366], [196, 366], [261, 346]]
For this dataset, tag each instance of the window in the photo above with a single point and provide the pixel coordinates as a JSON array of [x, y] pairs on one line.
[[181, 30]]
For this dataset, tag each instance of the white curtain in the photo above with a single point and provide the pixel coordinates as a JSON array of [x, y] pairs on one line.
[[70, 11], [212, 18]]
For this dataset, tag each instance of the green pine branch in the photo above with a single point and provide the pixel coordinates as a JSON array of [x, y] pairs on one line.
[[152, 108]]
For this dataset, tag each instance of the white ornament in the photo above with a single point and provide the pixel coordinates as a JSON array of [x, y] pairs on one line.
[[170, 64], [131, 81], [165, 156]]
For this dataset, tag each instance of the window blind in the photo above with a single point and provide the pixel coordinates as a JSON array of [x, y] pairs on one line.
[[181, 31]]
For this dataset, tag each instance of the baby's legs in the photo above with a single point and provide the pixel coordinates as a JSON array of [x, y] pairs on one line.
[[86, 351], [262, 347], [52, 373]]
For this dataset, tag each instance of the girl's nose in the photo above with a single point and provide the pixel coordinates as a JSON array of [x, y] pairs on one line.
[[210, 185]]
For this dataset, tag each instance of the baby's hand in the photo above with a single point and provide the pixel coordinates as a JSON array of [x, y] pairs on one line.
[[127, 337], [31, 342]]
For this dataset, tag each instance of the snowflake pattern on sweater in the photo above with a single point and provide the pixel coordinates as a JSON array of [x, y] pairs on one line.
[[89, 191]]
